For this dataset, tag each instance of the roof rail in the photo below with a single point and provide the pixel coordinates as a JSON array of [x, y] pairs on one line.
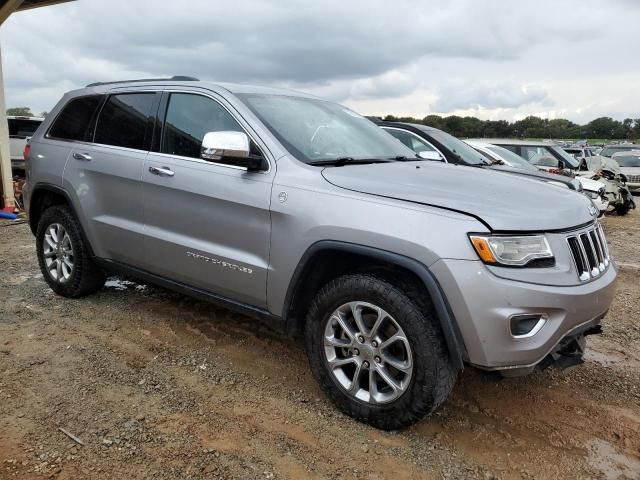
[[176, 78]]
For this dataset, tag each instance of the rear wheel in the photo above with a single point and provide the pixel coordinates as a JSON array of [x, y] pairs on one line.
[[63, 255], [376, 352]]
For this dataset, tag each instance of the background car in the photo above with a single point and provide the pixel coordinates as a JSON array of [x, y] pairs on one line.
[[579, 152], [629, 162], [433, 144], [594, 189], [550, 157], [609, 150], [20, 129], [546, 156]]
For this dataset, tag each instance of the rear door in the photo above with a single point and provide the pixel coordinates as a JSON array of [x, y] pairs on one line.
[[106, 174], [207, 224]]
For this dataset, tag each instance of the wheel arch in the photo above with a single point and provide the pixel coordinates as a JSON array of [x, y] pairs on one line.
[[45, 195], [328, 259]]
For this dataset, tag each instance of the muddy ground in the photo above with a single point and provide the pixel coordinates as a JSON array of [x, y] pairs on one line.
[[157, 385]]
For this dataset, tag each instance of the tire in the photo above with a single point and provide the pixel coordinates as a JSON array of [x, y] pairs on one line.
[[78, 275], [432, 375], [623, 209]]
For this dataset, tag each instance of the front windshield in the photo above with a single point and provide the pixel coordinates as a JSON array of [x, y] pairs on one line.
[[514, 160], [316, 130], [466, 153], [628, 160], [609, 151], [568, 159]]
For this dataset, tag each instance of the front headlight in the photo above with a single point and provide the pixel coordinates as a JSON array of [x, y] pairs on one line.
[[512, 251]]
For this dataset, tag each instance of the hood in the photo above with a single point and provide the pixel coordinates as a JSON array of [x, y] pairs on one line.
[[598, 162], [505, 202]]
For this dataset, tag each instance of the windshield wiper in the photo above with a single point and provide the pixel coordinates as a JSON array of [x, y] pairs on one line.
[[339, 162]]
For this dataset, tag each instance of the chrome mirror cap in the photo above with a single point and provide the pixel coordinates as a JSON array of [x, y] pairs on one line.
[[218, 145]]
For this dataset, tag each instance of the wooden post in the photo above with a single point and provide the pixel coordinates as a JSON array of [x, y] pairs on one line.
[[6, 176]]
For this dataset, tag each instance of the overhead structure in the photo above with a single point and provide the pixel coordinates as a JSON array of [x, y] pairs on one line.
[[7, 7]]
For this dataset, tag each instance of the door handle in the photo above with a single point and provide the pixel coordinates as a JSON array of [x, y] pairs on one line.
[[162, 171], [82, 156]]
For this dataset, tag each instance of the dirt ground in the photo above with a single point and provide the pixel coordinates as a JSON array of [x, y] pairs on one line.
[[157, 385]]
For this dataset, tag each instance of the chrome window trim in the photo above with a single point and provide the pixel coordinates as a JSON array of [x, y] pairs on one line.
[[444, 158], [253, 137], [199, 160]]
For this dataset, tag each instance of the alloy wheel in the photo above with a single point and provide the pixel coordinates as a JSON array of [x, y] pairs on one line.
[[367, 352], [58, 253]]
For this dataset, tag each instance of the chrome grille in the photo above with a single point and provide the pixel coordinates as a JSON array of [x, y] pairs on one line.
[[633, 178], [590, 252]]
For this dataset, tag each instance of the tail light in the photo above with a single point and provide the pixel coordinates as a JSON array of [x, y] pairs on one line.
[[25, 153]]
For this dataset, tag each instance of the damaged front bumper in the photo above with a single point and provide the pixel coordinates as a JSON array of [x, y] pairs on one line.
[[568, 352]]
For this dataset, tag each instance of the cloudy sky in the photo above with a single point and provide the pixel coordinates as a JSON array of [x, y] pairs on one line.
[[575, 59]]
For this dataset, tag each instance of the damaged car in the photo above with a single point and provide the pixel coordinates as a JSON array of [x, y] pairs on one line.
[[393, 271], [629, 163], [594, 189], [551, 158]]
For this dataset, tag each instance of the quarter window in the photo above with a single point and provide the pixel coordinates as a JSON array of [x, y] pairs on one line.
[[73, 121], [124, 120], [187, 120]]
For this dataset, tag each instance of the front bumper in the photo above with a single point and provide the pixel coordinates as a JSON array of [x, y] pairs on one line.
[[482, 304]]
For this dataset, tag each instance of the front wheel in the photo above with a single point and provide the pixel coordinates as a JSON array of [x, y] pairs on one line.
[[376, 352]]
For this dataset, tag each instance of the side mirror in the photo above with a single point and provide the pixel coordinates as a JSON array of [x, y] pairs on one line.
[[229, 147], [430, 155]]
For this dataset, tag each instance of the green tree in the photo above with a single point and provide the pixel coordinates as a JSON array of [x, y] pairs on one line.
[[19, 111]]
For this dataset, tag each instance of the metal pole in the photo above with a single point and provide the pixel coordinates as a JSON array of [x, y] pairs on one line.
[[5, 156]]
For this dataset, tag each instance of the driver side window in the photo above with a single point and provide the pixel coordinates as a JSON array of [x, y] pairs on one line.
[[189, 116]]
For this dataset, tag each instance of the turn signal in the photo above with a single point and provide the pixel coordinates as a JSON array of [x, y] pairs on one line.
[[482, 248]]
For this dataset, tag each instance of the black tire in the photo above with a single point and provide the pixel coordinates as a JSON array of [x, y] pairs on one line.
[[623, 209], [433, 374], [86, 277]]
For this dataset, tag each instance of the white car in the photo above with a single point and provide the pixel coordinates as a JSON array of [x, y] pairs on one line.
[[20, 129], [594, 189], [629, 162]]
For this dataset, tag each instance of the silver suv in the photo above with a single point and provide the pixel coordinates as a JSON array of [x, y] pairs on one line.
[[395, 271]]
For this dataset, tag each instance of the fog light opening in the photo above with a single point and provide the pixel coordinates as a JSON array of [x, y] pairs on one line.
[[526, 325]]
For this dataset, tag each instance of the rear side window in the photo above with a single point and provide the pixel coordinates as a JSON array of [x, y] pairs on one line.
[[21, 128], [188, 118], [73, 121], [124, 120]]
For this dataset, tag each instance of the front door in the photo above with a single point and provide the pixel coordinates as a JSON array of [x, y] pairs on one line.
[[207, 225]]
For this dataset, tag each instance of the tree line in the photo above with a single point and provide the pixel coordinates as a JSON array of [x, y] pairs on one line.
[[23, 112], [605, 128]]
